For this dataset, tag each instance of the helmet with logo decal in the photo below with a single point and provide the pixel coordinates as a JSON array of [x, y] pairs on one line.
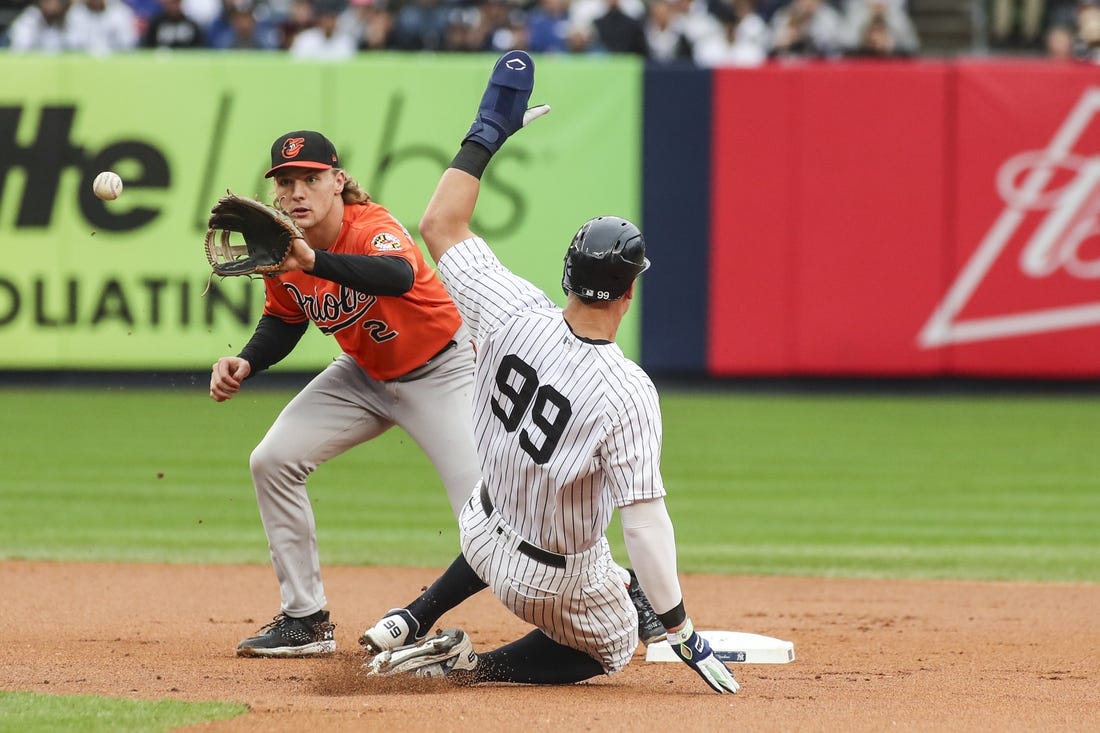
[[603, 259]]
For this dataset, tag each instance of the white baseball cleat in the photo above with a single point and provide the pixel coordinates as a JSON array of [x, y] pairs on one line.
[[396, 629], [436, 656]]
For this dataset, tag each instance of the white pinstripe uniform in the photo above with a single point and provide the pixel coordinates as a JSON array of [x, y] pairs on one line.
[[567, 429]]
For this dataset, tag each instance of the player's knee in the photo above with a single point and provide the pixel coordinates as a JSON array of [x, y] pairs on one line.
[[258, 459], [268, 463]]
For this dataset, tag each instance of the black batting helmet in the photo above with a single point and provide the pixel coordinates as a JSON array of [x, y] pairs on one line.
[[603, 259]]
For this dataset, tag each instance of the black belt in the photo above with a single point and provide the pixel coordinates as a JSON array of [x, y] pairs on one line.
[[419, 371], [449, 345], [546, 557]]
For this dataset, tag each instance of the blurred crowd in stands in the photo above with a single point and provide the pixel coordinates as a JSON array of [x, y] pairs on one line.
[[707, 33]]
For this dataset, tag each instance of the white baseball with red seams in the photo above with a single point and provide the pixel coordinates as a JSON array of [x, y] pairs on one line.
[[107, 185]]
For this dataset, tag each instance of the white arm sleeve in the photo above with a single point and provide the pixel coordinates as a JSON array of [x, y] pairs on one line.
[[651, 544]]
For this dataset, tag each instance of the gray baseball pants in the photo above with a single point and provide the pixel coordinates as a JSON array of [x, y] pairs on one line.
[[339, 409]]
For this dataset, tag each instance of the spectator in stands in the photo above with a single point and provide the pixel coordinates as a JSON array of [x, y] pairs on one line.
[[369, 22], [323, 42], [299, 16], [421, 25], [516, 33], [1058, 42], [875, 41], [696, 20], [462, 29], [619, 32], [378, 33], [1087, 47], [145, 10], [101, 27], [880, 28], [1016, 23], [548, 28], [808, 28], [664, 34], [583, 15], [172, 28], [241, 29], [39, 28], [350, 21], [492, 27], [203, 12], [767, 9], [742, 38]]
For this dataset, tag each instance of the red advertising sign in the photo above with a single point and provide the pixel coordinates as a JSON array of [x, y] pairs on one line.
[[755, 221], [912, 219], [1023, 299], [827, 218]]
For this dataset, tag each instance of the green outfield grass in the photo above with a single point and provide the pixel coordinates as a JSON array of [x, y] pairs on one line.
[[982, 487], [915, 486], [24, 712]]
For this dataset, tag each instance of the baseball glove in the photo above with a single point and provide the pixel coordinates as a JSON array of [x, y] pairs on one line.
[[267, 234]]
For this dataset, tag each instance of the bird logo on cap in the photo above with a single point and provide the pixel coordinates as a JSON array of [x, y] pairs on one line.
[[293, 146]]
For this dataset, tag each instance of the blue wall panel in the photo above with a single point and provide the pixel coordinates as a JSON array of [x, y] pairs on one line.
[[676, 152]]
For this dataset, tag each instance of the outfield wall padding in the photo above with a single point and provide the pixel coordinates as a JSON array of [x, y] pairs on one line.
[[918, 218]]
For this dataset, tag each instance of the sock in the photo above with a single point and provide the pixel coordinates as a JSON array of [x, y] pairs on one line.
[[457, 583], [536, 659]]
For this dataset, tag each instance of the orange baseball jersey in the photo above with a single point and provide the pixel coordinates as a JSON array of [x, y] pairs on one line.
[[388, 336]]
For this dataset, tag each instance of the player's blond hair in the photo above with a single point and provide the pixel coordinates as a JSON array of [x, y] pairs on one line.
[[353, 193]]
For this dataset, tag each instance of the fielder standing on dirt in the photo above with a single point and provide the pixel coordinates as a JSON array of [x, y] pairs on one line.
[[567, 430], [407, 360]]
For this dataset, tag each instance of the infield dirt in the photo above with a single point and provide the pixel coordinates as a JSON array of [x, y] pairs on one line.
[[872, 655]]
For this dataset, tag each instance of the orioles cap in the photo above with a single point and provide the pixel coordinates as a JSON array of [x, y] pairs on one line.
[[302, 149]]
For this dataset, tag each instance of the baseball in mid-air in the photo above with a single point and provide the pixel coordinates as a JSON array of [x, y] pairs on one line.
[[107, 186]]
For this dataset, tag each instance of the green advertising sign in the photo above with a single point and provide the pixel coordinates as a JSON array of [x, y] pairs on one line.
[[89, 284]]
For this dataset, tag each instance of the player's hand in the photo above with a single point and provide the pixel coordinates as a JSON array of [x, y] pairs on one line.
[[503, 110], [226, 376], [694, 651], [301, 257]]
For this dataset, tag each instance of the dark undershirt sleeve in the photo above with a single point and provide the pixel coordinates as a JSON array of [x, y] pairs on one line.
[[377, 275], [272, 340]]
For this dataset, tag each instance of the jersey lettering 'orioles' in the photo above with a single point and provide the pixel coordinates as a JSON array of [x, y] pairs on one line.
[[369, 328]]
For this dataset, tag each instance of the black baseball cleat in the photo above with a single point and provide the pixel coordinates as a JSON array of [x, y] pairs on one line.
[[292, 637], [504, 102], [650, 628]]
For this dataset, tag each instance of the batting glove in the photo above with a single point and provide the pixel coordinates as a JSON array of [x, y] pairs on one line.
[[503, 109], [696, 653]]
